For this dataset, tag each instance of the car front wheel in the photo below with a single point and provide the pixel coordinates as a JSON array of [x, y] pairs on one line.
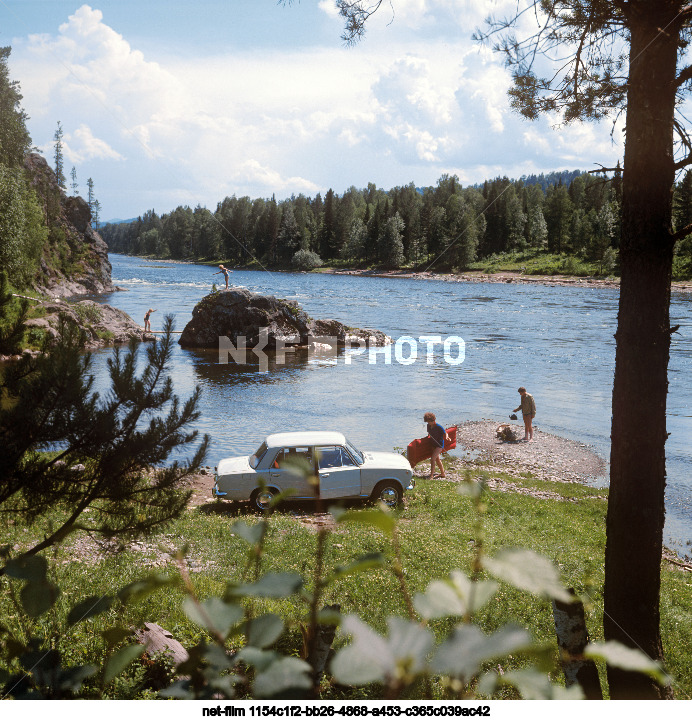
[[389, 492], [262, 498]]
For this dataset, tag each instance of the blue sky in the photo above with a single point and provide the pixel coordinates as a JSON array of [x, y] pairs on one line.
[[166, 103]]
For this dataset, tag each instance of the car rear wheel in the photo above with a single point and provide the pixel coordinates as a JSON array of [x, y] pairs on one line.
[[389, 492], [261, 498]]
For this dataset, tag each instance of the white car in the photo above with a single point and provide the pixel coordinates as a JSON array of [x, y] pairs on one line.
[[343, 471]]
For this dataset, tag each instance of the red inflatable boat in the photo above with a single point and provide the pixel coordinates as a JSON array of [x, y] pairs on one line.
[[422, 448]]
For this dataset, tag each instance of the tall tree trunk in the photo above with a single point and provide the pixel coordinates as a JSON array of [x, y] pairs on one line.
[[636, 509]]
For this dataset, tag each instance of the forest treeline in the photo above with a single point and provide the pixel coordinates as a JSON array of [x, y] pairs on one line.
[[447, 225], [573, 214]]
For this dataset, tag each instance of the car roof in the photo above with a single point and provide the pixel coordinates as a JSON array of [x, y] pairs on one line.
[[305, 438]]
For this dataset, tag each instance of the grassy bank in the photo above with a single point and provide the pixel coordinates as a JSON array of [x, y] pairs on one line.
[[439, 530]]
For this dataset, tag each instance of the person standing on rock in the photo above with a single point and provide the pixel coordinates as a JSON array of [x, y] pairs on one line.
[[438, 435], [225, 272], [147, 322], [528, 411]]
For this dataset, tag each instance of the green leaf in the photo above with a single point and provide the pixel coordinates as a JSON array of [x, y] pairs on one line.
[[120, 660], [37, 597], [528, 571], [265, 630], [377, 518], [89, 607], [113, 636], [33, 568], [283, 674], [462, 654], [473, 490], [250, 533], [271, 585], [455, 597], [361, 564], [256, 657], [217, 657], [224, 684], [213, 614], [329, 617], [629, 659], [536, 686], [138, 590], [71, 679], [372, 658]]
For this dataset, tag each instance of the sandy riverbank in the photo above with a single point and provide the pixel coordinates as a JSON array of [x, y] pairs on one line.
[[500, 277]]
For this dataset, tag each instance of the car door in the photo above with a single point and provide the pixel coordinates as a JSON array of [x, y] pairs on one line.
[[288, 471], [339, 474]]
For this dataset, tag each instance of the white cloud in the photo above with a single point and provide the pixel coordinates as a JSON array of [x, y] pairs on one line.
[[329, 7], [401, 106], [82, 145]]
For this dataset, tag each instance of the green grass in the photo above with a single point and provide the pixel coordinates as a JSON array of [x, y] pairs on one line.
[[534, 262], [439, 530]]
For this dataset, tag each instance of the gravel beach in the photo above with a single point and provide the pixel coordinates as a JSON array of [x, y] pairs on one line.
[[549, 457]]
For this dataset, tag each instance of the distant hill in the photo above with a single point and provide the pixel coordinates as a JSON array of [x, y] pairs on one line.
[[545, 180], [118, 221]]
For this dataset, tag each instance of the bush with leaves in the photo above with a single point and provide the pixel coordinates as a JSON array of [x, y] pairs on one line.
[[13, 314], [22, 229], [306, 260], [238, 656]]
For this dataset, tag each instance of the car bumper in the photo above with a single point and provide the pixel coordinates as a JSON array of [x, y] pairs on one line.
[[215, 490]]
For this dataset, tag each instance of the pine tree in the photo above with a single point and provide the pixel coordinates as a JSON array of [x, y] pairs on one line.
[[90, 195], [74, 185], [391, 246], [59, 174], [108, 449], [14, 137]]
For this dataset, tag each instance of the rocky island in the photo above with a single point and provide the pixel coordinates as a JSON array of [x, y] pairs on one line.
[[238, 313]]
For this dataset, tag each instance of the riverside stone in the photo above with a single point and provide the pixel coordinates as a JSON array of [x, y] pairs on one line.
[[239, 314], [102, 324]]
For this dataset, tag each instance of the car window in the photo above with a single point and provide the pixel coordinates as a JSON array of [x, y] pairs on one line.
[[329, 457], [357, 455], [346, 459], [293, 455], [256, 457]]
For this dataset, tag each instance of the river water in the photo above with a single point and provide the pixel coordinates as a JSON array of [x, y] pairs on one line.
[[557, 341]]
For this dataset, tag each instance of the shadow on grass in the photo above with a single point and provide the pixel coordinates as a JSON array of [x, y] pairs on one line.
[[235, 509]]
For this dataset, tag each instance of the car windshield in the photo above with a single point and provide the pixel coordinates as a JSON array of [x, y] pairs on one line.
[[358, 456], [256, 457]]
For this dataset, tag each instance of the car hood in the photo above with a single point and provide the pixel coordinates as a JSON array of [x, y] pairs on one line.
[[238, 464], [388, 460]]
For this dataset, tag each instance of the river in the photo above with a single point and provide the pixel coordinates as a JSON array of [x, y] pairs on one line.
[[557, 341]]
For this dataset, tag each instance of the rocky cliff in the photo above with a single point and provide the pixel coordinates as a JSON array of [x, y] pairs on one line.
[[75, 258]]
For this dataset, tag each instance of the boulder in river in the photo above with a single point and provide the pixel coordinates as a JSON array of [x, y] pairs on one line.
[[102, 324], [238, 313]]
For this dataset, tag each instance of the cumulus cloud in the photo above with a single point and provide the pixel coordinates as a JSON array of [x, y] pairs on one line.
[[82, 145], [401, 106]]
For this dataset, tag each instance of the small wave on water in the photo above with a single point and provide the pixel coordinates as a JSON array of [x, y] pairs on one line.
[[165, 283]]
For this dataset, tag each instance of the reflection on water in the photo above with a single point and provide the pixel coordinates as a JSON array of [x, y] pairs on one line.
[[557, 341]]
